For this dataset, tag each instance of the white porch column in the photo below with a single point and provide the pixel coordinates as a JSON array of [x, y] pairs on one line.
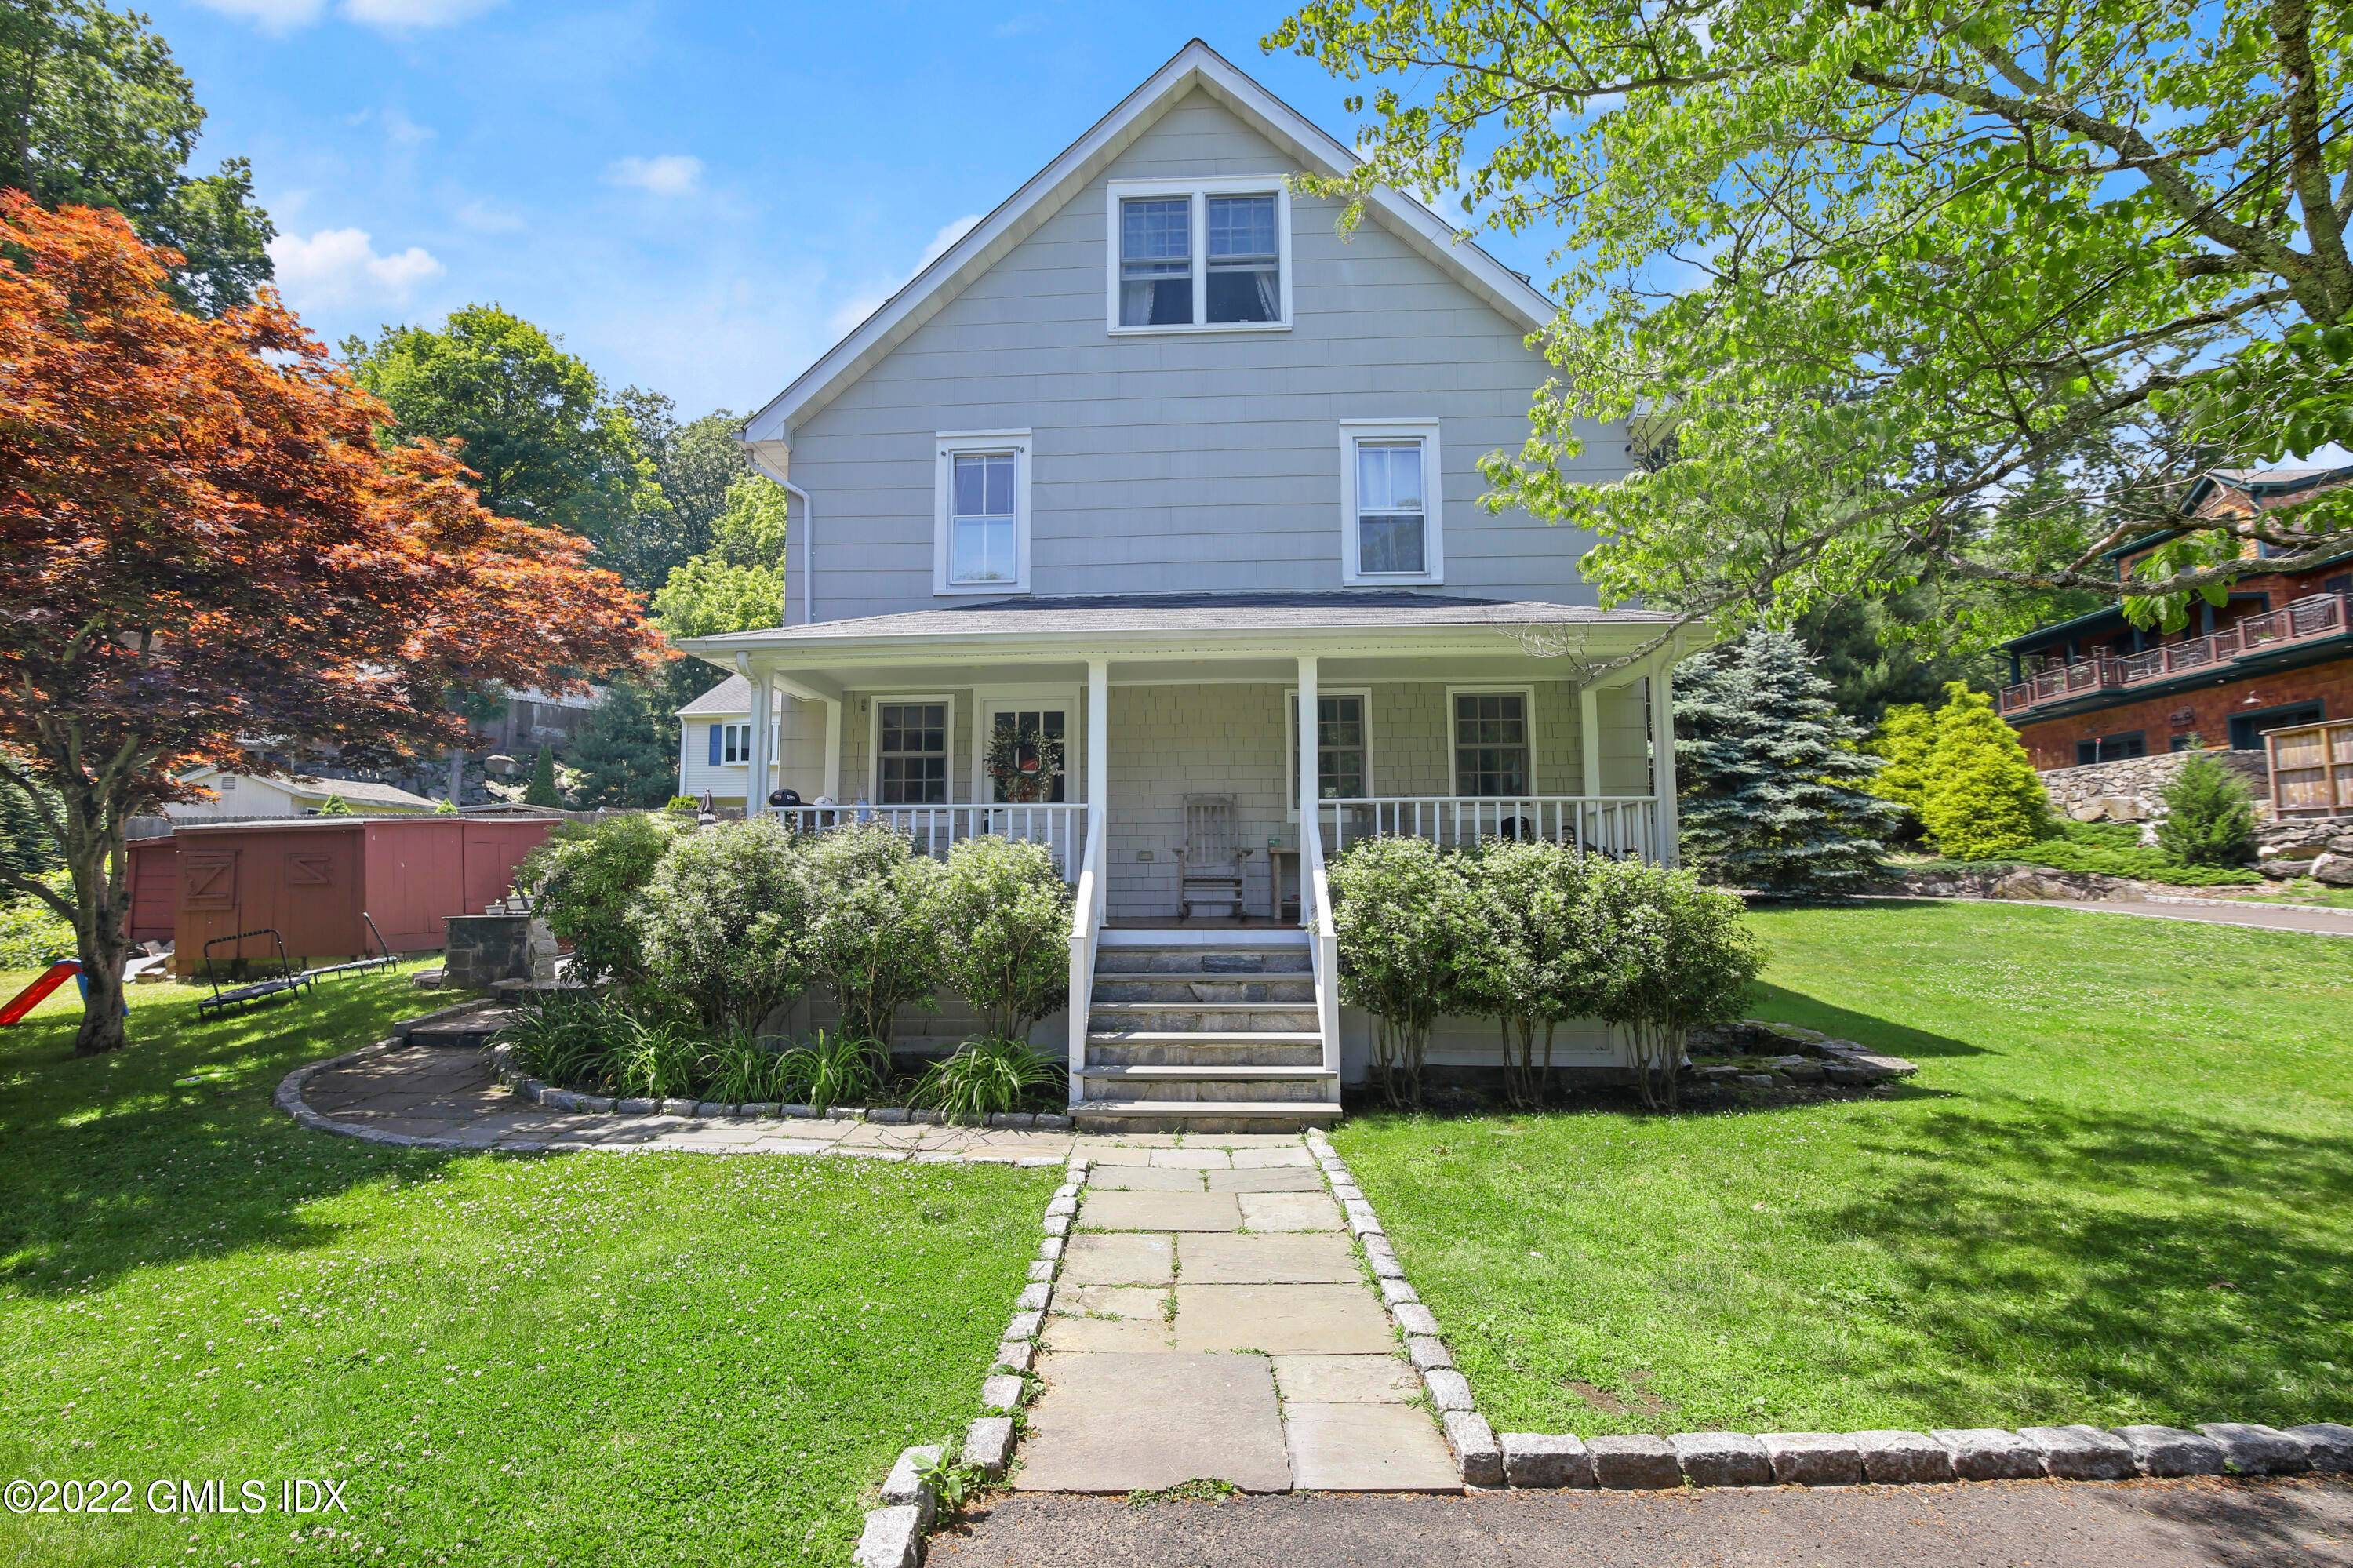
[[832, 785], [1311, 788], [1589, 739], [763, 738], [1098, 724], [1662, 761]]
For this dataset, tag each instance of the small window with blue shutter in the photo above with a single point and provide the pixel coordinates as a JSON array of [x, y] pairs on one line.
[[731, 743]]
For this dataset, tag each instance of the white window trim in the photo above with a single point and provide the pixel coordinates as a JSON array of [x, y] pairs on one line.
[[1116, 191], [1455, 733], [947, 444], [1074, 749], [1291, 742], [1433, 543], [735, 744], [875, 702]]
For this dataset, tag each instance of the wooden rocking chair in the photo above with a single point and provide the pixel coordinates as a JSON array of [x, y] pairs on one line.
[[1210, 865]]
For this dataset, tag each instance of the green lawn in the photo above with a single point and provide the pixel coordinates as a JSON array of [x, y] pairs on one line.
[[503, 1358], [2121, 1189]]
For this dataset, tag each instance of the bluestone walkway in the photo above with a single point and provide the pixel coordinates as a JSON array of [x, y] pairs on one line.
[[1213, 1322]]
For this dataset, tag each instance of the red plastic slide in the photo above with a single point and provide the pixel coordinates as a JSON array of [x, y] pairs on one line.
[[29, 997]]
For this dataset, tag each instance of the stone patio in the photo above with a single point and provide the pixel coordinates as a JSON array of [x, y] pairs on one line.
[[1214, 1322]]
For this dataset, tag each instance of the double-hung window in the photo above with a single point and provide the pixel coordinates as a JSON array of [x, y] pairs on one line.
[[1390, 515], [1493, 752], [734, 743], [982, 532], [911, 753], [1343, 748], [1200, 255]]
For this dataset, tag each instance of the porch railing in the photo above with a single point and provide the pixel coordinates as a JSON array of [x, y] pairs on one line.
[[1060, 827], [1086, 932], [2306, 620], [1322, 946], [1620, 826]]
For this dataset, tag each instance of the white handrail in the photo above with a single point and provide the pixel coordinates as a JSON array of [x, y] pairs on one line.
[[1620, 826], [1086, 929], [1059, 825], [1323, 944]]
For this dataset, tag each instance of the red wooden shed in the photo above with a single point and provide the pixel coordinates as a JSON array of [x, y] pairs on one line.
[[310, 879]]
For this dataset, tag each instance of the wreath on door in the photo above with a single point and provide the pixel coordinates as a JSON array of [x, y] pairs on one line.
[[1022, 762]]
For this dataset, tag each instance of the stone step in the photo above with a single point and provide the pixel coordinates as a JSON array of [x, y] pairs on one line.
[[1198, 1084], [1198, 961], [1192, 985], [1190, 1050], [1203, 1017], [1115, 1115]]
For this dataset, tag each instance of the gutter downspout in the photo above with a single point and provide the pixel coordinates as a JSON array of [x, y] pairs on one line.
[[806, 526]]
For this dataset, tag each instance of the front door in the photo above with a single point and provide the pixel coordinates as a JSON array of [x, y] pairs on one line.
[[1022, 723]]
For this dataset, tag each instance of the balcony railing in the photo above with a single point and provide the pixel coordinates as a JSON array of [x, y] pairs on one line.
[[2307, 619], [1624, 827], [1060, 827]]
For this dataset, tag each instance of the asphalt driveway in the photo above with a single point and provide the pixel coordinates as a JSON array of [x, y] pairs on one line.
[[2306, 1523]]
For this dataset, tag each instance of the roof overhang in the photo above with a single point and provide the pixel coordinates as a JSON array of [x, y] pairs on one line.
[[1196, 65]]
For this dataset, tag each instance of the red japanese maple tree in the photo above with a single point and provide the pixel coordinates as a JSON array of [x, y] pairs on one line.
[[206, 549]]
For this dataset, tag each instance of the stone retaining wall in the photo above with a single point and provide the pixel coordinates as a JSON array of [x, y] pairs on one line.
[[2132, 788]]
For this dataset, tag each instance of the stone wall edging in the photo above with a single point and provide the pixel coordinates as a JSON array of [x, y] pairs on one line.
[[1533, 1460], [892, 1536]]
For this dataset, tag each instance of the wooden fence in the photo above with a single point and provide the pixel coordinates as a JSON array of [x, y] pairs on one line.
[[2312, 769]]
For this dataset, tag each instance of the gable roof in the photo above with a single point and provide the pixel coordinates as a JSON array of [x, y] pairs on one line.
[[353, 791], [732, 696], [1196, 65]]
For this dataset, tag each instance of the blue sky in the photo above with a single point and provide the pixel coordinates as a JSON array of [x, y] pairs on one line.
[[698, 197]]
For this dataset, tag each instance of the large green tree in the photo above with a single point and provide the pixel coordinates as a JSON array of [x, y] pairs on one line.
[[694, 464], [547, 444], [1859, 270], [95, 113]]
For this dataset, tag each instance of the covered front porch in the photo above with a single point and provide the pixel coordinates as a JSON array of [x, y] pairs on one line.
[[1208, 772]]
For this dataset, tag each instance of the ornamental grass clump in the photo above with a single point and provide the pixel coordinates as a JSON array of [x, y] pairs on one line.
[[828, 1070], [1403, 915], [1001, 914], [988, 1078]]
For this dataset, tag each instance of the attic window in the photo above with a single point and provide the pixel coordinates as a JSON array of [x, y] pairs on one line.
[[1199, 256]]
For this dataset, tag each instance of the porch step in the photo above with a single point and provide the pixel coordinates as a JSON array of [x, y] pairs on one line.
[[1187, 986], [1234, 1018], [1194, 1116], [1204, 1031], [1210, 1085]]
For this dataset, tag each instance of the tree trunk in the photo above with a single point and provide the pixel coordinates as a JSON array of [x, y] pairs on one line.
[[97, 857]]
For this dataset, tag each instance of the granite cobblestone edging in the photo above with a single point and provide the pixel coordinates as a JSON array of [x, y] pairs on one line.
[[1533, 1459], [894, 1532]]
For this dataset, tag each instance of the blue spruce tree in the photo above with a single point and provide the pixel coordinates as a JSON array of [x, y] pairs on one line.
[[1771, 782]]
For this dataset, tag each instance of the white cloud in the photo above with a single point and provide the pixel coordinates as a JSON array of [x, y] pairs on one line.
[[270, 15], [402, 132], [845, 317], [410, 15], [670, 175], [341, 266], [384, 15]]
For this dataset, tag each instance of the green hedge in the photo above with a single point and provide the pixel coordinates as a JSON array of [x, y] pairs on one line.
[[32, 934], [2137, 864]]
